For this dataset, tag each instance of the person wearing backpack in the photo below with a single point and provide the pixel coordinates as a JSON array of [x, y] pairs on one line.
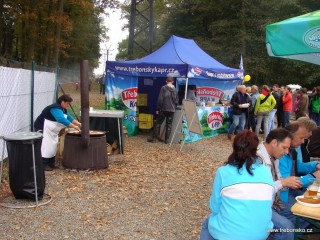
[[315, 106], [265, 103]]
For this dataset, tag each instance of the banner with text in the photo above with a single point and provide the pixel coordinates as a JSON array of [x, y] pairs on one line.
[[122, 94], [213, 120]]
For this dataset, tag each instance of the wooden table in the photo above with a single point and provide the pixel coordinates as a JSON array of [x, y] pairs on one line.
[[308, 214]]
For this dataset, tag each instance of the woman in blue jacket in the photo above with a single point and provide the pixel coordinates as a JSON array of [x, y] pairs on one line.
[[242, 195], [51, 120]]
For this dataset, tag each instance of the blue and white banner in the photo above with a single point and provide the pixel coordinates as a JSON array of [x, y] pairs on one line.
[[212, 90], [122, 94]]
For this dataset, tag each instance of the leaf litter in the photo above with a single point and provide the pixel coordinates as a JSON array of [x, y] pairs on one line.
[[152, 191]]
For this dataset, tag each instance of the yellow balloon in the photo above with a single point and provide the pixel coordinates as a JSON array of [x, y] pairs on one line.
[[247, 78]]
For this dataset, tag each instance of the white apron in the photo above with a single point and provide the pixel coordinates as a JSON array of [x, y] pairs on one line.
[[50, 138]]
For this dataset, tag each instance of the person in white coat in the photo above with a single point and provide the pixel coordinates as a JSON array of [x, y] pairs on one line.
[[52, 119]]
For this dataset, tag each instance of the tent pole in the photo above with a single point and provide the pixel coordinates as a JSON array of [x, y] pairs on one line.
[[186, 89]]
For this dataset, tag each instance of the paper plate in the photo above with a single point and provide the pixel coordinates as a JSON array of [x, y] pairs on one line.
[[306, 204], [245, 105]]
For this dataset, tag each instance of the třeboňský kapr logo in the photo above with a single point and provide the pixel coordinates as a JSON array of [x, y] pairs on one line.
[[129, 97], [312, 38], [215, 120]]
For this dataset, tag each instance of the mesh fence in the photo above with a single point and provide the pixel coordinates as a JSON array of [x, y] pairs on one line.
[[17, 98], [26, 89]]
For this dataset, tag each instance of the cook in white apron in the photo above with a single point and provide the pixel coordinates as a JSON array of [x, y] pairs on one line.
[[52, 119], [50, 138]]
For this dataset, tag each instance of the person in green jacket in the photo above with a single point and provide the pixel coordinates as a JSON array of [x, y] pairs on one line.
[[265, 103]]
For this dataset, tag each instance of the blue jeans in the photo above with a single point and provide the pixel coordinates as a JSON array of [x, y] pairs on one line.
[[265, 117], [237, 120], [286, 119], [205, 235], [281, 222], [271, 120]]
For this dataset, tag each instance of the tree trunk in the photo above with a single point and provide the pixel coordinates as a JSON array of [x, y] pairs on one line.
[[243, 28], [47, 36], [23, 45], [1, 27], [58, 34]]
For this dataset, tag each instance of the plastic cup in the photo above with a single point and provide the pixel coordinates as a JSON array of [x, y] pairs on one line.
[[313, 187]]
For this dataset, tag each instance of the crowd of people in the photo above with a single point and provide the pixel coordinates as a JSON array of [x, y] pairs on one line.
[[255, 105], [254, 191]]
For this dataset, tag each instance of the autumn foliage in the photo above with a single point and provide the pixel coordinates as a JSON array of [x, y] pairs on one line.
[[52, 32]]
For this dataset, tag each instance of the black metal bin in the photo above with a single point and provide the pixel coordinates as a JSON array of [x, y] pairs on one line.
[[25, 165]]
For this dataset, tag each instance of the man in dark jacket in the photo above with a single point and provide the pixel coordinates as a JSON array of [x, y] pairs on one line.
[[166, 107], [240, 102]]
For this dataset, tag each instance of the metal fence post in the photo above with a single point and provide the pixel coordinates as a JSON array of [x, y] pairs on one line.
[[57, 83], [32, 96]]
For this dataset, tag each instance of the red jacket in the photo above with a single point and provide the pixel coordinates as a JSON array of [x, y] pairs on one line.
[[287, 102]]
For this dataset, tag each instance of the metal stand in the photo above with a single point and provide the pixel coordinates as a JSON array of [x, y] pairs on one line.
[[35, 183], [34, 174], [120, 135], [2, 158], [176, 129], [188, 132], [180, 132], [189, 110]]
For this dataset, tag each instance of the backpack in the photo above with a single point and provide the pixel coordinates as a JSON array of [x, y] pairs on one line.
[[265, 99], [315, 104]]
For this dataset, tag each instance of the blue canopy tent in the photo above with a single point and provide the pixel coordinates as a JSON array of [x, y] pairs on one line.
[[178, 57]]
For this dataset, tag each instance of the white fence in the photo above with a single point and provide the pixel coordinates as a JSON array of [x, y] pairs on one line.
[[16, 100]]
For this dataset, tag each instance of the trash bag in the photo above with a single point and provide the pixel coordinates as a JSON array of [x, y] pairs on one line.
[[21, 173]]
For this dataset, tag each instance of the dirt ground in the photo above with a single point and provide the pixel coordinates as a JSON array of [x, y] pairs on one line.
[[152, 191]]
